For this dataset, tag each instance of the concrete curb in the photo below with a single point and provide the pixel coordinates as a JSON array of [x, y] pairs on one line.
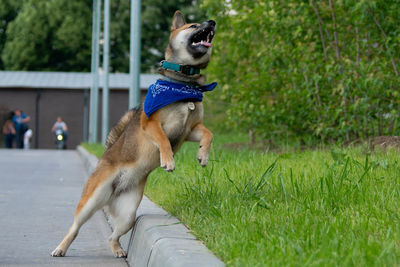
[[158, 239]]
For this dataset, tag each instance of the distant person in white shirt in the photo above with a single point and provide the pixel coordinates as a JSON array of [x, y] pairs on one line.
[[27, 139], [60, 124]]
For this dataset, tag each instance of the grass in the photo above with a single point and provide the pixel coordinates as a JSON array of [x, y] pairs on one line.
[[95, 149], [322, 207]]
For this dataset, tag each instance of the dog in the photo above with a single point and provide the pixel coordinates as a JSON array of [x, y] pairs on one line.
[[148, 137]]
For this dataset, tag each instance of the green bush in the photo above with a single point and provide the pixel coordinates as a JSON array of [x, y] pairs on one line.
[[295, 69]]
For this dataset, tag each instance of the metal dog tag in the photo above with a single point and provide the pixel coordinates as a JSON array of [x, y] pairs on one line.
[[191, 106]]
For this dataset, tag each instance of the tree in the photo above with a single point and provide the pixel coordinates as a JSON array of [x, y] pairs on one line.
[[8, 12], [323, 69], [50, 35]]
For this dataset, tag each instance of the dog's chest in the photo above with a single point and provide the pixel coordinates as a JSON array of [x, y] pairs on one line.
[[179, 118]]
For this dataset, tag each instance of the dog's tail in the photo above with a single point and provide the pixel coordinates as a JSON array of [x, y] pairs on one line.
[[119, 128]]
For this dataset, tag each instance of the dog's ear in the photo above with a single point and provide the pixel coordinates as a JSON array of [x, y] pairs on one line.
[[178, 20]]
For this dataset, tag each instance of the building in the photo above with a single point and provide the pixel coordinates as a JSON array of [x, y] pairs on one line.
[[46, 95]]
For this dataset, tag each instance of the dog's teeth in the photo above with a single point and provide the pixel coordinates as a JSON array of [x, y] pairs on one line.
[[193, 43]]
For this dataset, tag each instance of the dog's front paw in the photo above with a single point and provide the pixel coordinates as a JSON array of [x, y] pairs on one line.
[[202, 157], [58, 253], [168, 164]]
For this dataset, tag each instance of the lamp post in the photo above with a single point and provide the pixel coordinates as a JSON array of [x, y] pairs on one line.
[[94, 90], [134, 56], [106, 91]]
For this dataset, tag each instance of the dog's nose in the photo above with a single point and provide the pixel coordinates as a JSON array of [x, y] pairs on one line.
[[211, 22]]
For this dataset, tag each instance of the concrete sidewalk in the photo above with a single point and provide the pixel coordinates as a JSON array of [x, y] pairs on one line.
[[39, 190]]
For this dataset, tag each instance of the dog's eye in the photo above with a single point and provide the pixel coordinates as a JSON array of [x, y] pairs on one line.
[[193, 26]]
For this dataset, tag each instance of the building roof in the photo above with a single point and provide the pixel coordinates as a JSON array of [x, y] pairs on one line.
[[67, 80]]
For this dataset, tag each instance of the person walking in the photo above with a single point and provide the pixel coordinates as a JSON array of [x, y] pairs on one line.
[[9, 133], [27, 139], [20, 121]]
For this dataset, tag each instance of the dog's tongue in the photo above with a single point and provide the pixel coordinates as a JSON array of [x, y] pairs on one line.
[[203, 43], [206, 44]]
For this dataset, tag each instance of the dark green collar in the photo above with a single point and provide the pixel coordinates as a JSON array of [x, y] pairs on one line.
[[185, 69]]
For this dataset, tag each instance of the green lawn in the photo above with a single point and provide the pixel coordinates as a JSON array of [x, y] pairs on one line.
[[322, 207]]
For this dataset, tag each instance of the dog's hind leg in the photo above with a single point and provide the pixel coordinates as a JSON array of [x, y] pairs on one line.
[[123, 211], [95, 195]]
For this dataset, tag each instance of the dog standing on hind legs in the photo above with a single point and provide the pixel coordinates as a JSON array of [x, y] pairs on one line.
[[148, 137]]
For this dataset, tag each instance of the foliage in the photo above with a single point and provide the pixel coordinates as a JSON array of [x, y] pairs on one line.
[[8, 12], [42, 37], [326, 69], [49, 35]]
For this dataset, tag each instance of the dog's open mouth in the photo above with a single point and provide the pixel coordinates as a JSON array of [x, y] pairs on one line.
[[202, 37], [199, 42]]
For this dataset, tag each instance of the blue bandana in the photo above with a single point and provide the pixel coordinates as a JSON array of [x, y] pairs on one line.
[[163, 93]]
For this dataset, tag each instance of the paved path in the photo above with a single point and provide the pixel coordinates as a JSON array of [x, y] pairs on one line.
[[39, 190]]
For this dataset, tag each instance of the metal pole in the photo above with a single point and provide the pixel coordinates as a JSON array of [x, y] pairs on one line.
[[85, 114], [106, 49], [134, 57], [94, 91], [37, 116]]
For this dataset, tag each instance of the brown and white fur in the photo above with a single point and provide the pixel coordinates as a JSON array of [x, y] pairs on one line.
[[138, 144]]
